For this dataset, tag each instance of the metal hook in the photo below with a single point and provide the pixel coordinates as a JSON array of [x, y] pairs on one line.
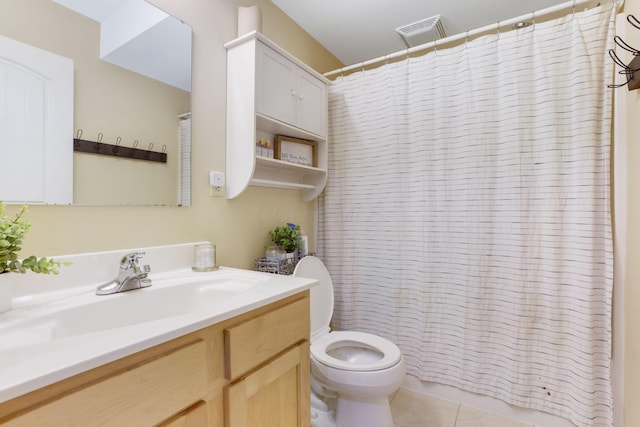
[[633, 21], [100, 137], [150, 147], [618, 40], [79, 134], [629, 73], [616, 59], [164, 148], [626, 70], [116, 147], [135, 143]]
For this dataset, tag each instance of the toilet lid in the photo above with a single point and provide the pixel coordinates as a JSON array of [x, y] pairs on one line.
[[321, 295], [355, 351]]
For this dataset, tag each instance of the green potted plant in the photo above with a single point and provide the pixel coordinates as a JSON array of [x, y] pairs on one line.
[[12, 231], [286, 236]]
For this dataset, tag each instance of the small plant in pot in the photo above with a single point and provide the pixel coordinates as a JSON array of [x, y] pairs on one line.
[[12, 231], [287, 237]]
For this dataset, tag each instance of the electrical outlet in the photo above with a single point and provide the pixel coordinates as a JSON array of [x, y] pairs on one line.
[[216, 191]]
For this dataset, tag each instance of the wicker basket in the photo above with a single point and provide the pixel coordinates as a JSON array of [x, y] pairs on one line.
[[283, 266]]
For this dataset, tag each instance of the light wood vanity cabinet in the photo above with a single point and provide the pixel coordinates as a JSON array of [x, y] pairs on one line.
[[251, 370]]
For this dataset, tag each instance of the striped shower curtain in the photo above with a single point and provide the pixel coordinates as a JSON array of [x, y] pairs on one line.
[[467, 213]]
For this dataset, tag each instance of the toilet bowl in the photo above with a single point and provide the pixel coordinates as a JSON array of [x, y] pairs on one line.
[[353, 373]]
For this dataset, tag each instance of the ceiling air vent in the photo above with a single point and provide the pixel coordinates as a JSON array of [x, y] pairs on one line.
[[424, 31]]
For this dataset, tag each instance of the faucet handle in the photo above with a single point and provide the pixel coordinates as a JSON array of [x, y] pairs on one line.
[[130, 260]]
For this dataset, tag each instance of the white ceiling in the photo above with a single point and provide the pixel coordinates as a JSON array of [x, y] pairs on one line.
[[357, 30]]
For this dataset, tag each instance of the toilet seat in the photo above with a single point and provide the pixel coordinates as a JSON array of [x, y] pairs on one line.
[[344, 350], [355, 351]]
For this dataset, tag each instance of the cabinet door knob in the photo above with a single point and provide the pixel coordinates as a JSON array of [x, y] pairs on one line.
[[293, 92]]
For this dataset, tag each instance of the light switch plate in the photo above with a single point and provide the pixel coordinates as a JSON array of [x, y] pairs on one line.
[[216, 179]]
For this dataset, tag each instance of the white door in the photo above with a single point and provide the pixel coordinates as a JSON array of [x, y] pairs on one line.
[[36, 125]]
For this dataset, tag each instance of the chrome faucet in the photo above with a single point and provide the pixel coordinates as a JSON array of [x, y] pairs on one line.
[[131, 276]]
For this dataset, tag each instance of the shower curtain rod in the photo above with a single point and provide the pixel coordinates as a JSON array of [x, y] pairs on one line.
[[461, 36]]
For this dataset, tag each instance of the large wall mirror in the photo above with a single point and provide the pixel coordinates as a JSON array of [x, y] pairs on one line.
[[131, 88]]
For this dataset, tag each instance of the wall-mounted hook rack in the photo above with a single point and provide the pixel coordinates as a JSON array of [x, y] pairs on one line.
[[631, 70], [117, 150]]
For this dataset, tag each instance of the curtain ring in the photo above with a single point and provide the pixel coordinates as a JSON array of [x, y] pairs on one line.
[[533, 20]]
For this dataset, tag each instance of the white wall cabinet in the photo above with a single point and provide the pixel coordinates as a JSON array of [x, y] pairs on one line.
[[269, 93]]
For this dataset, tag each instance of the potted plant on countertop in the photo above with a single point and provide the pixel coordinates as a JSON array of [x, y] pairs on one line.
[[287, 237], [12, 231]]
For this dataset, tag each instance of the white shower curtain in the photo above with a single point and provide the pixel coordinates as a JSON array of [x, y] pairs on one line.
[[467, 213]]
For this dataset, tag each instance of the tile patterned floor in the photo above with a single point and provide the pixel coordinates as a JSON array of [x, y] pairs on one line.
[[413, 409]]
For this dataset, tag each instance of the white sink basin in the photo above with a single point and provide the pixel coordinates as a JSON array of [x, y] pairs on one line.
[[168, 297]]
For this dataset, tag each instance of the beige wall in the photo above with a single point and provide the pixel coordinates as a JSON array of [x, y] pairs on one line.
[[238, 227]]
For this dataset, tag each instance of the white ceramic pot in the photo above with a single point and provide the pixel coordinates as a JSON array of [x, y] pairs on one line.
[[6, 291]]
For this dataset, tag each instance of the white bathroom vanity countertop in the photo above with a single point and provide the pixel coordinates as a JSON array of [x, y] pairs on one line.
[[54, 335]]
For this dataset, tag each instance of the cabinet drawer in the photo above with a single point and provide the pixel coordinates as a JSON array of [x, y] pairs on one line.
[[255, 341], [143, 395]]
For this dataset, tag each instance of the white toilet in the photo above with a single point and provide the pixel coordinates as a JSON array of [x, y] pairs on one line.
[[353, 373]]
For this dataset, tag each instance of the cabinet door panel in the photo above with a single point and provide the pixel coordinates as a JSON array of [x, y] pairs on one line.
[[142, 395], [276, 92], [312, 104], [277, 394]]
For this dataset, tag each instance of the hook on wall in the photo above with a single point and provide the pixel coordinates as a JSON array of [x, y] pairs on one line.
[[631, 70]]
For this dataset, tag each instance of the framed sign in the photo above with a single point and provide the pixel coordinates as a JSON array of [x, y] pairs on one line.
[[295, 150]]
